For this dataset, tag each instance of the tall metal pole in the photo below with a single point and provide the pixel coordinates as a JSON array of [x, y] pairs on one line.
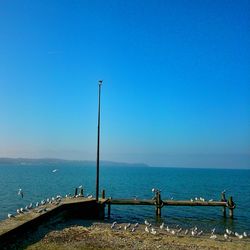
[[98, 141]]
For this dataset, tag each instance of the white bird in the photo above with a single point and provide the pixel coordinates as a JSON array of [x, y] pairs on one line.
[[18, 211], [133, 229], [186, 232], [240, 236], [210, 200], [196, 198], [229, 232], [167, 229], [113, 224], [80, 186], [136, 225], [173, 232], [191, 200], [153, 231], [21, 210], [90, 197], [153, 190], [200, 233], [146, 229], [236, 234], [146, 222], [127, 226], [226, 236], [212, 231], [37, 204], [245, 234], [193, 233], [162, 226], [20, 192], [30, 205], [213, 237], [10, 216], [54, 170], [179, 230]]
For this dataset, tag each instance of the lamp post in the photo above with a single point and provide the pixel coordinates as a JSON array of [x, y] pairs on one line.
[[98, 140]]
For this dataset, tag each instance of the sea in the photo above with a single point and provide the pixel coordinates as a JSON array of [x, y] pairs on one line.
[[39, 182]]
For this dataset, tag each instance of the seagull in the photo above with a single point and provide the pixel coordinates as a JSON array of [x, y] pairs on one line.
[[146, 222], [30, 205], [10, 216], [191, 200], [55, 170], [229, 232], [113, 225], [196, 198], [80, 186], [167, 229], [245, 234], [127, 226], [226, 236], [186, 232], [133, 229], [20, 192], [136, 225], [213, 236], [179, 230], [37, 204], [236, 234], [200, 233], [18, 211], [240, 236], [162, 225], [193, 233], [210, 200], [212, 231], [146, 229], [153, 231], [153, 190], [173, 232]]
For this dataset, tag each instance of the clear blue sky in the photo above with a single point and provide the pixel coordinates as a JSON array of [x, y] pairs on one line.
[[176, 81]]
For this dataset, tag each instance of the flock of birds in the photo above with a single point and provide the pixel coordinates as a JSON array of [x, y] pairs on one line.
[[177, 231], [194, 232], [39, 206]]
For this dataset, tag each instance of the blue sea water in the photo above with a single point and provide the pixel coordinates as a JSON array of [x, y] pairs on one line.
[[39, 182]]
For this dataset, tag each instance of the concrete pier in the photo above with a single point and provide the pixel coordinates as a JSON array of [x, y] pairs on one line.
[[79, 207]]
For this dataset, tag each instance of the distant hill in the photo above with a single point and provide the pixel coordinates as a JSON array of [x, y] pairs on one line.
[[56, 162]]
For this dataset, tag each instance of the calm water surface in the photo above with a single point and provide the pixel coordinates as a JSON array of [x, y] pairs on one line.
[[38, 182]]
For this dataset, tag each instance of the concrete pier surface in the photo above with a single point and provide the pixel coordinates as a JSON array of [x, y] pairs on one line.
[[77, 207]]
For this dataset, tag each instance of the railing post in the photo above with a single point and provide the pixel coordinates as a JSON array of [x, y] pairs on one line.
[[81, 192], [109, 208], [223, 198], [103, 194], [76, 190], [231, 207], [158, 203]]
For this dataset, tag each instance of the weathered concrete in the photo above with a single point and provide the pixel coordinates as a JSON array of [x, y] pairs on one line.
[[68, 208]]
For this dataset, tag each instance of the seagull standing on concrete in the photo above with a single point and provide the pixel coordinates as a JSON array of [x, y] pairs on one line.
[[10, 216]]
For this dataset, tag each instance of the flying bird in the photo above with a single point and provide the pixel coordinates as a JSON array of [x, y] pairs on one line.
[[20, 192]]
